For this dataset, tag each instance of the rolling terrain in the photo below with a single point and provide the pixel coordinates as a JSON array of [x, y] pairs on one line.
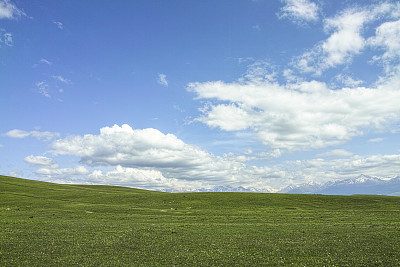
[[44, 224]]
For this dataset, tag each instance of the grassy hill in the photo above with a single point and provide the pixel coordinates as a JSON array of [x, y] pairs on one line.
[[44, 224]]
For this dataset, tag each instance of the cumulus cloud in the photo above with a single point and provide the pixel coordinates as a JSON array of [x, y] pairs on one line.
[[162, 79], [147, 148], [142, 178], [298, 116], [50, 169], [299, 11], [37, 134], [41, 161], [9, 11], [136, 148]]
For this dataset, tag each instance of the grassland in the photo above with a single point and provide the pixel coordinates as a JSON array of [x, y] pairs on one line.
[[44, 224]]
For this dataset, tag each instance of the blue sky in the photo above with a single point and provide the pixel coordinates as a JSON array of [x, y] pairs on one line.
[[184, 95]]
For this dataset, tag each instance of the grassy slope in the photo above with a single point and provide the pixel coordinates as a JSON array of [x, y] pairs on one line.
[[45, 224]]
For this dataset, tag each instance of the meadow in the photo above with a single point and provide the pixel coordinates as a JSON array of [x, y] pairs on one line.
[[45, 224]]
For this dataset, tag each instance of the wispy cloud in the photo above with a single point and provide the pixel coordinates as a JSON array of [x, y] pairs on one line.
[[41, 161], [9, 11], [341, 45], [62, 172], [43, 89], [162, 79], [336, 153], [346, 38], [45, 61], [59, 25], [375, 140], [299, 11], [6, 38], [62, 79], [16, 133], [387, 37], [348, 81]]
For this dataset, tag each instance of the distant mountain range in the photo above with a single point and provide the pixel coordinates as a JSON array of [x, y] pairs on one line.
[[226, 188], [361, 185]]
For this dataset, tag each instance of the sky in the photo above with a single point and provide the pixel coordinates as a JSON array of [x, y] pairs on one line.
[[188, 95]]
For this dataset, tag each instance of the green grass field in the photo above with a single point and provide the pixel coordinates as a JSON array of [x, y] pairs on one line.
[[44, 224]]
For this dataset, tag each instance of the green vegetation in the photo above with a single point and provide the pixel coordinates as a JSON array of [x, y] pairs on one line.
[[44, 224]]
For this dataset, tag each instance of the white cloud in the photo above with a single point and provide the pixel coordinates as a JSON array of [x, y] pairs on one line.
[[228, 117], [42, 88], [141, 178], [50, 169], [259, 71], [299, 116], [162, 79], [375, 140], [45, 61], [347, 40], [5, 38], [62, 172], [37, 134], [15, 174], [320, 170], [148, 148], [41, 161], [299, 10], [387, 37], [348, 81], [59, 25], [336, 153], [149, 159], [62, 79], [17, 133], [9, 11]]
